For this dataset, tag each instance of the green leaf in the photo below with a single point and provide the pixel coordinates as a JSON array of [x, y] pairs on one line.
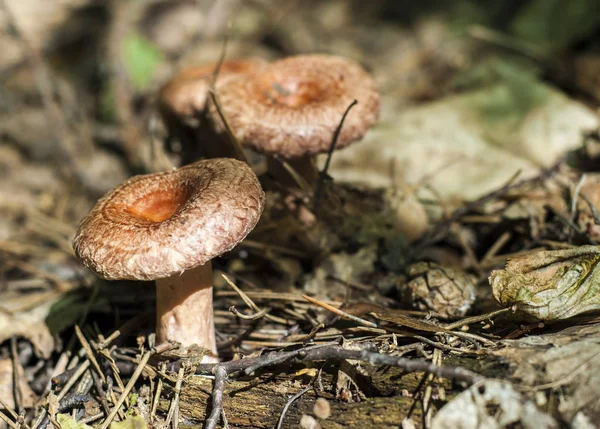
[[554, 24], [132, 422], [140, 59], [510, 90], [68, 422], [67, 311]]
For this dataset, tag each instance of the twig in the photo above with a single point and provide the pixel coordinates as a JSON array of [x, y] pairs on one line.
[[237, 148], [90, 353], [159, 385], [130, 384], [274, 248], [238, 152], [68, 385], [251, 303], [216, 71], [339, 312], [323, 173], [8, 421], [18, 394], [576, 197], [437, 231], [476, 319], [92, 418], [101, 393], [300, 181], [175, 401], [83, 367], [288, 404], [217, 397], [254, 316], [317, 353], [515, 44]]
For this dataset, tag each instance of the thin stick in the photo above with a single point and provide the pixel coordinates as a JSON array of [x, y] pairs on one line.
[[18, 394], [339, 312], [68, 385], [300, 181], [12, 412], [130, 384], [251, 303], [239, 152], [323, 173], [288, 404], [80, 370], [476, 319], [92, 418], [254, 316], [437, 232], [237, 148], [159, 385], [576, 196], [175, 400], [8, 421], [215, 73], [89, 352]]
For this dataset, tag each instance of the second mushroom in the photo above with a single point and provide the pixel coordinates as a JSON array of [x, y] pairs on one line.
[[291, 108]]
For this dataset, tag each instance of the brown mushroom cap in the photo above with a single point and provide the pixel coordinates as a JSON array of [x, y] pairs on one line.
[[157, 225], [292, 107], [186, 93]]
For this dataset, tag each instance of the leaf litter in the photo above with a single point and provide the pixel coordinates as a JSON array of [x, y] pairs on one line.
[[381, 307]]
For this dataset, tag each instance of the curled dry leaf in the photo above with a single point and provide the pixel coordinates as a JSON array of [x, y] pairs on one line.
[[550, 285]]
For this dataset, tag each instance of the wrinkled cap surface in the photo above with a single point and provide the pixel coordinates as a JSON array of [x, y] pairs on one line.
[[158, 225], [186, 93], [292, 107]]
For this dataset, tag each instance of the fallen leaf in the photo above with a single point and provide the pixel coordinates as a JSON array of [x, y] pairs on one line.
[[567, 361], [68, 422], [493, 404], [7, 385], [550, 285], [30, 325], [467, 145], [131, 422]]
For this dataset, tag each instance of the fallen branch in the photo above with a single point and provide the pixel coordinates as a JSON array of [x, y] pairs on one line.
[[316, 353]]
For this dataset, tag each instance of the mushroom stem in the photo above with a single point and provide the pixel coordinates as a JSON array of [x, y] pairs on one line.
[[184, 311], [303, 165]]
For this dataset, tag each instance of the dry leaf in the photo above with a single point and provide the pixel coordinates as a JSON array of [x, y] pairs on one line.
[[550, 285], [68, 422], [567, 361], [493, 404], [30, 325], [7, 386], [131, 422]]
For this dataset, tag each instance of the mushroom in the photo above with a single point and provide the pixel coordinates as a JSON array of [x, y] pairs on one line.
[[168, 227], [182, 102], [292, 107]]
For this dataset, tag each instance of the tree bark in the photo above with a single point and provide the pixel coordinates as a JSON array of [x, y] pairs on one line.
[[258, 402]]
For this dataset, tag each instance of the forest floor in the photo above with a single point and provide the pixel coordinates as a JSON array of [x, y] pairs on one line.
[[394, 306]]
